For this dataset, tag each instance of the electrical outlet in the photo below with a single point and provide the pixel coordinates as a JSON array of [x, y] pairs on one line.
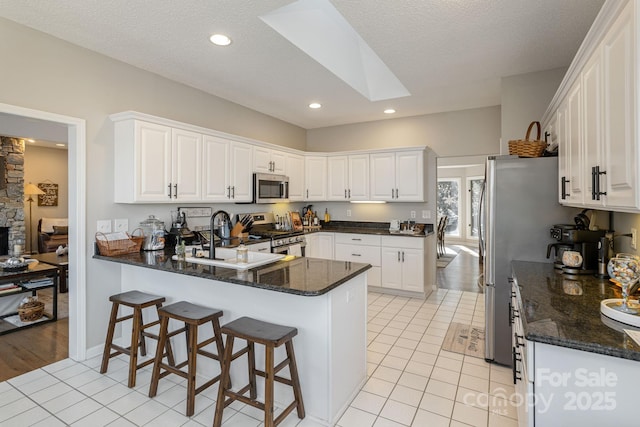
[[426, 214], [104, 226], [121, 224], [413, 214], [634, 241], [348, 212]]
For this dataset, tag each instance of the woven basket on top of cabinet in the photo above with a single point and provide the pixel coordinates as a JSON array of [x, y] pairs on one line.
[[526, 147]]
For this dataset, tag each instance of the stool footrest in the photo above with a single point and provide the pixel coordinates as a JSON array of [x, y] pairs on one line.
[[208, 354], [239, 353], [207, 342], [148, 325], [239, 395], [208, 384], [282, 380], [284, 413], [123, 318]]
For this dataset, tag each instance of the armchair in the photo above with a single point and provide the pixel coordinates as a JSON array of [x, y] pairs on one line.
[[52, 232]]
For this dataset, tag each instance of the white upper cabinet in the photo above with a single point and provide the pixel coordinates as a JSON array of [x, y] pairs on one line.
[[338, 178], [596, 116], [294, 166], [226, 172], [619, 54], [315, 169], [397, 176], [186, 177], [348, 177], [216, 164], [266, 160], [145, 168]]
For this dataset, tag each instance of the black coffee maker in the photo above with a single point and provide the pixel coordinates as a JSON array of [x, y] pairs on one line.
[[571, 237]]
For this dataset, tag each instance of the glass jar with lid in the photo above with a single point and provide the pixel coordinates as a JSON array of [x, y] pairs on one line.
[[153, 230]]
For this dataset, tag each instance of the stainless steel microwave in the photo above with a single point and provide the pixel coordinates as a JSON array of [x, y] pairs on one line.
[[269, 188]]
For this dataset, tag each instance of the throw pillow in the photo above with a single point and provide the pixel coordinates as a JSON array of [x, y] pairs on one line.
[[58, 229]]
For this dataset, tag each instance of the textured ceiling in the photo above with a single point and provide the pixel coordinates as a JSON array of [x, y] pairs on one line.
[[449, 54]]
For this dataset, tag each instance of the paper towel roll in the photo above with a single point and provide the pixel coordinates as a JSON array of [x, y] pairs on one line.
[[295, 250]]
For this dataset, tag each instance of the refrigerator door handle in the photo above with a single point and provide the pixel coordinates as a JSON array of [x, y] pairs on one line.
[[489, 322]]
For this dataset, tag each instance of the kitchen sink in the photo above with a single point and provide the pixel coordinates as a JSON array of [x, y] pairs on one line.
[[227, 258]]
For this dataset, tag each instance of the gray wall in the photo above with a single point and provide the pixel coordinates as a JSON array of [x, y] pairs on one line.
[[456, 133], [45, 73], [524, 99]]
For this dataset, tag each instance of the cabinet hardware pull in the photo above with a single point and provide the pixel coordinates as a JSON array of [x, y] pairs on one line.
[[233, 189], [593, 183], [598, 192], [398, 256], [515, 370], [169, 189], [518, 341], [392, 196], [402, 256], [546, 136], [175, 187], [307, 194], [229, 192], [510, 314], [345, 193], [349, 193], [356, 255], [262, 249], [564, 188], [396, 193], [356, 240]]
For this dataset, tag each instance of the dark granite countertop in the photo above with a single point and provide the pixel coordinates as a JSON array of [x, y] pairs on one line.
[[293, 275], [377, 228], [552, 315]]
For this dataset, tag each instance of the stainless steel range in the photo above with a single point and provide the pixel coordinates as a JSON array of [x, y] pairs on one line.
[[284, 240]]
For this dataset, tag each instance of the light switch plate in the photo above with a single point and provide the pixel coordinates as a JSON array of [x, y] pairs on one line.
[[121, 224], [104, 226]]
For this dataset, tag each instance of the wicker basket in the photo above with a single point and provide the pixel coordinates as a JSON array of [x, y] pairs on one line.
[[31, 311], [526, 147], [119, 247]]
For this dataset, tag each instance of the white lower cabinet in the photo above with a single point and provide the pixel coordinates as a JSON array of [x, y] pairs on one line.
[[403, 263], [363, 248], [319, 245], [264, 247], [559, 386]]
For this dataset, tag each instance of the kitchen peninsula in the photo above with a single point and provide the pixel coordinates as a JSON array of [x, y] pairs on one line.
[[324, 299]]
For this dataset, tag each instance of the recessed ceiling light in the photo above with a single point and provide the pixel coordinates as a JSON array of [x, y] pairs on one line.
[[220, 40], [31, 140], [315, 105], [389, 111], [60, 145]]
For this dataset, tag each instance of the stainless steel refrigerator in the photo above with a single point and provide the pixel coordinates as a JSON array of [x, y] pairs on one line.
[[519, 206]]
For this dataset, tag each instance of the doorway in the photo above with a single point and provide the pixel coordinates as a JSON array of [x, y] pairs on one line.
[[76, 137]]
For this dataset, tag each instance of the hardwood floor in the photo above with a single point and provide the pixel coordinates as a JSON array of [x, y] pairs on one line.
[[33, 348], [462, 272]]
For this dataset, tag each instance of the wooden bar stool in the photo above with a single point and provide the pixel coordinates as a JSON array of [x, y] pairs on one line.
[[271, 336], [193, 316], [137, 301]]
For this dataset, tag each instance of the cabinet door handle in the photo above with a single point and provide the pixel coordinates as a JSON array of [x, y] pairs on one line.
[[516, 377], [402, 256], [392, 196], [598, 192], [593, 183], [396, 193], [564, 188], [345, 193], [307, 194], [169, 189], [356, 240], [229, 192], [349, 194], [175, 188], [356, 255], [233, 194], [262, 249], [398, 256], [519, 342]]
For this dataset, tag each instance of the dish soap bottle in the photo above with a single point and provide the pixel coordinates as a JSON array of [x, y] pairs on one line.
[[327, 218]]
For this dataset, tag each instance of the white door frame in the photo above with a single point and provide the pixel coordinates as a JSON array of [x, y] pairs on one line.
[[77, 160]]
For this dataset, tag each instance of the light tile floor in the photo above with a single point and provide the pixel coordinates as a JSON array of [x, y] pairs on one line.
[[411, 381]]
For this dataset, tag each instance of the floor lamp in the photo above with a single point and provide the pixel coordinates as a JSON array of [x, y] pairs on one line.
[[31, 190]]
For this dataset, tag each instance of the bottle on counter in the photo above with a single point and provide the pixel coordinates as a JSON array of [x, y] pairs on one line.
[[242, 253], [327, 217]]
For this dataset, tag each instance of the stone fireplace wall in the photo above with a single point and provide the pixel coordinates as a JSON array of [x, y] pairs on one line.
[[12, 192]]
